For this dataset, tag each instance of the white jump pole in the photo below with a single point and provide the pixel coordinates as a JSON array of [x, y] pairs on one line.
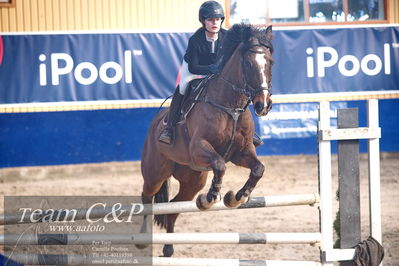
[[230, 262], [46, 259], [374, 172], [184, 207], [325, 182], [161, 238]]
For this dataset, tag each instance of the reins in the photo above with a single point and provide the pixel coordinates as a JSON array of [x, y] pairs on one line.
[[249, 94]]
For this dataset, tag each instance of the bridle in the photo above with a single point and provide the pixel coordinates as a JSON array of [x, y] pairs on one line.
[[247, 90]]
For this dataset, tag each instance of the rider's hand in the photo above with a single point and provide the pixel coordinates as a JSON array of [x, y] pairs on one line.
[[214, 68]]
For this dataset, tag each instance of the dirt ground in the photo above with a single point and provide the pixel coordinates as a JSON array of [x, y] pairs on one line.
[[284, 175]]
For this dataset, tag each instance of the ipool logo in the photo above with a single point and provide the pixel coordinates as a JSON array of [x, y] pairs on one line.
[[348, 65], [85, 73]]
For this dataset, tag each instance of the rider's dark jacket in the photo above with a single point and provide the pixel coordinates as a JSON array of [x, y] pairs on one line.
[[199, 54]]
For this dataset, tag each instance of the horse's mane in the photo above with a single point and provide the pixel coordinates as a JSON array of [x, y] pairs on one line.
[[242, 33]]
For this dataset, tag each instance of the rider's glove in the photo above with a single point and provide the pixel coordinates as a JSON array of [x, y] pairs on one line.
[[214, 68]]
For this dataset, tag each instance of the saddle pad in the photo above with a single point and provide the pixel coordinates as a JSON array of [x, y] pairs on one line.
[[194, 91]]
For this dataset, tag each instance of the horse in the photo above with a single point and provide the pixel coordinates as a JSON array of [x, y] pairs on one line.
[[218, 129]]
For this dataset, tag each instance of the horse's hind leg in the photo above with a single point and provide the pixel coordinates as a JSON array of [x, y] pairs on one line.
[[247, 159], [144, 229], [157, 190], [190, 183], [155, 182]]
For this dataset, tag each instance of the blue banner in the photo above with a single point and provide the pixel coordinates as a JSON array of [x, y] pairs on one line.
[[336, 60], [294, 120], [83, 67], [87, 67], [133, 66]]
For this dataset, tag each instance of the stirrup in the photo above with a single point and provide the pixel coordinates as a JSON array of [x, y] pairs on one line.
[[257, 141], [166, 136]]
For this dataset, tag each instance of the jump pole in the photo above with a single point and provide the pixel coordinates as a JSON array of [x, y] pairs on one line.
[[162, 238], [374, 172], [186, 206], [325, 182], [46, 259]]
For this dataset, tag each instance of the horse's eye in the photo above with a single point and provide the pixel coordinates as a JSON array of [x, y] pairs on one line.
[[248, 64]]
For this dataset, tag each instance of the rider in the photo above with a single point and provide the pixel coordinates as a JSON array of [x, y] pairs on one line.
[[200, 59]]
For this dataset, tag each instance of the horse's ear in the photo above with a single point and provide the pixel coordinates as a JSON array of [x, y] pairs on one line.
[[269, 33]]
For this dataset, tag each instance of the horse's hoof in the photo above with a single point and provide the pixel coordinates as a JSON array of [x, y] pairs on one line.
[[168, 250], [230, 200], [202, 203], [139, 246]]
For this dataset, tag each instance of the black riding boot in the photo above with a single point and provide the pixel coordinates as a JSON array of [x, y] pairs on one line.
[[174, 111], [257, 141]]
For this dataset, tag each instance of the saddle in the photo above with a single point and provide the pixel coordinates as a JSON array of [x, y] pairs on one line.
[[195, 89]]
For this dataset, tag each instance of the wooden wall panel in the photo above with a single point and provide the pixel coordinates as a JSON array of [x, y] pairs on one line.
[[19, 20], [12, 19], [55, 15], [393, 11], [59, 15], [49, 13], [4, 18], [25, 5], [55, 10]]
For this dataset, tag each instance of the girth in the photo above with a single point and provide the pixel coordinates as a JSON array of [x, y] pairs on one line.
[[235, 114]]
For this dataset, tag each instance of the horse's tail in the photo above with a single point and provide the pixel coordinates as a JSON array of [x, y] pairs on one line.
[[162, 196]]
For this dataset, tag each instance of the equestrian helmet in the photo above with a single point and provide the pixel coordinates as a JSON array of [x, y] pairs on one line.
[[210, 9]]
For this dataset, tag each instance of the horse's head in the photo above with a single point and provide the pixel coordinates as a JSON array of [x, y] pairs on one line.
[[257, 68], [247, 54]]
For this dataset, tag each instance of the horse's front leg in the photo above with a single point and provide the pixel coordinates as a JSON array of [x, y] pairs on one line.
[[249, 160], [205, 201], [203, 155]]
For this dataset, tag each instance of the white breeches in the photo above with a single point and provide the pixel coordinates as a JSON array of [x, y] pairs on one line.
[[185, 78]]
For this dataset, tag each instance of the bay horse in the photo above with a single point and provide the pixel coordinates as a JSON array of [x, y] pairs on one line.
[[218, 129]]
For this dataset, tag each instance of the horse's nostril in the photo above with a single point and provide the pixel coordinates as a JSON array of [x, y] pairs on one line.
[[259, 106]]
